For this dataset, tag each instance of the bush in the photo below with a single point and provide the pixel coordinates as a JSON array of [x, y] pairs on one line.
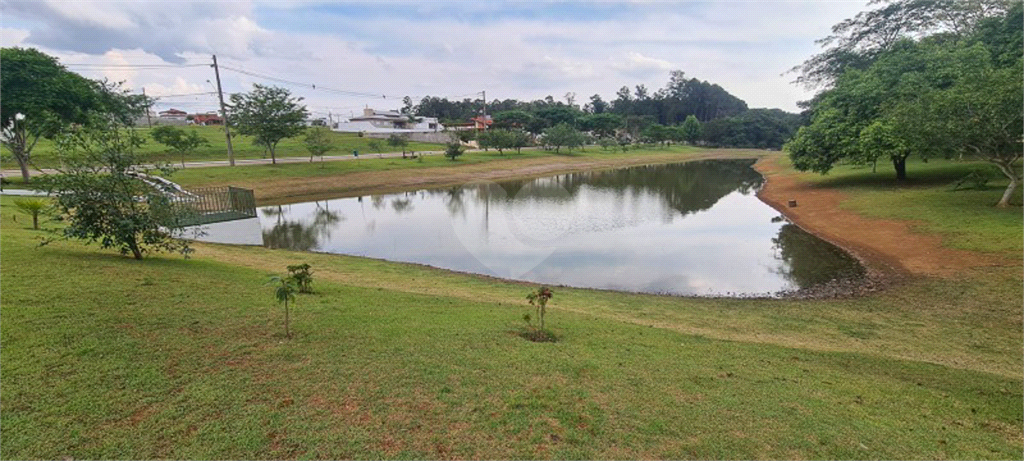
[[302, 276], [453, 150]]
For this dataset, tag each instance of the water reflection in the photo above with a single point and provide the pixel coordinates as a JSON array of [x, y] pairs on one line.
[[304, 233], [693, 228], [802, 261]]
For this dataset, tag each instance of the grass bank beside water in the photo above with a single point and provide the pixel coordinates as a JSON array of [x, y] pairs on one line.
[[44, 154], [107, 357]]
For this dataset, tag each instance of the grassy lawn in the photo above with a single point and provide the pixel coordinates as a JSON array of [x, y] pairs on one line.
[[44, 154], [107, 357]]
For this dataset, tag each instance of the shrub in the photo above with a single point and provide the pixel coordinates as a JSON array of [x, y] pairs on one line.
[[302, 276]]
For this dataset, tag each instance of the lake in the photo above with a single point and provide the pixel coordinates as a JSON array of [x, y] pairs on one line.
[[693, 228]]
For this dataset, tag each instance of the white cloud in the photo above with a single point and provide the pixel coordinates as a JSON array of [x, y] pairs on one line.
[[436, 49]]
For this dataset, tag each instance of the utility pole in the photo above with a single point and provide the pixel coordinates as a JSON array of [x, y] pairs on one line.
[[223, 112], [149, 121], [484, 93]]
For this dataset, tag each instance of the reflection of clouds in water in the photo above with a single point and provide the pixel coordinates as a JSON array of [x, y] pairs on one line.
[[684, 230]]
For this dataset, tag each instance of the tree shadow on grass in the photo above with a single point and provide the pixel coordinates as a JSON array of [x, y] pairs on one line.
[[922, 176]]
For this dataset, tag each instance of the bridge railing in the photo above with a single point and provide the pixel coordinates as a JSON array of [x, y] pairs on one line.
[[217, 204]]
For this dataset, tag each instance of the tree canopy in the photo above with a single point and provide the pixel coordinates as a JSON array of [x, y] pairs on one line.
[[105, 196], [41, 97], [957, 92], [268, 114]]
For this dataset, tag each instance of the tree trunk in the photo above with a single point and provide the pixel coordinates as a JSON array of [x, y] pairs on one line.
[[35, 220], [24, 168], [900, 163], [1007, 170], [136, 252], [273, 156], [287, 332]]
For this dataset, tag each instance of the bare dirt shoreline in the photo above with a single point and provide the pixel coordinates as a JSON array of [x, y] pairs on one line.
[[890, 249]]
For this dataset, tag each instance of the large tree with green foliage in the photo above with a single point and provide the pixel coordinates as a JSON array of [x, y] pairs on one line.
[[691, 129], [268, 114], [952, 93], [41, 97], [105, 194], [563, 135]]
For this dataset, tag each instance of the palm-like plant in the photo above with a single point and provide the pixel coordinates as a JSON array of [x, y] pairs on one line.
[[32, 207], [284, 291]]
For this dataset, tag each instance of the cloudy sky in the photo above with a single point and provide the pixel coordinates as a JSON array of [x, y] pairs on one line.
[[360, 54]]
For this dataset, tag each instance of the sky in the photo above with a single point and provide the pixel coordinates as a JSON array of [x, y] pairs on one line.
[[372, 54]]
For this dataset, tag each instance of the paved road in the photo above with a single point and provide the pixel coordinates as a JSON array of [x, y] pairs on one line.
[[16, 173]]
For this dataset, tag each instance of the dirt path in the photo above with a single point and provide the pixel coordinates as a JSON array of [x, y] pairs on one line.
[[889, 248]]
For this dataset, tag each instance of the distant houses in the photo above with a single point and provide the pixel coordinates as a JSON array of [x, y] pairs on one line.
[[173, 114], [207, 119], [388, 121], [384, 123]]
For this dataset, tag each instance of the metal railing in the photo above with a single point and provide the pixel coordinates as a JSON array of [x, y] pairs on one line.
[[217, 204]]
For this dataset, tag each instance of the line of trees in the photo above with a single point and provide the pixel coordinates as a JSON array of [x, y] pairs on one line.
[[916, 77], [638, 114]]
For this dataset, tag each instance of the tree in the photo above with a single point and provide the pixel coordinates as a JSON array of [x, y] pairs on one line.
[[519, 139], [603, 125], [928, 97], [500, 139], [106, 196], [981, 115], [540, 299], [597, 105], [512, 119], [691, 129], [284, 291], [453, 150], [398, 142], [855, 43], [178, 140], [563, 135], [32, 206], [41, 97], [268, 114], [318, 142]]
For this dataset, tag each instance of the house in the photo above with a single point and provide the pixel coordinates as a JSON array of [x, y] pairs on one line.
[[389, 121], [207, 119], [173, 114], [482, 122]]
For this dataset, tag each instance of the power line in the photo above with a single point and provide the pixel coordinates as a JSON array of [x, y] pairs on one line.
[[185, 94], [133, 66], [310, 85]]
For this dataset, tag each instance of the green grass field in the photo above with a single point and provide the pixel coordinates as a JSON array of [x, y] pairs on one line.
[[44, 154], [107, 357]]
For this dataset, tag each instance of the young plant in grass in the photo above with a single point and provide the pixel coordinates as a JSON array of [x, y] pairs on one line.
[[539, 299], [302, 276], [32, 207], [284, 291]]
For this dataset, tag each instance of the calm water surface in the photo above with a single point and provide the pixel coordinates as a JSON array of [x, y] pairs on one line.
[[690, 229]]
